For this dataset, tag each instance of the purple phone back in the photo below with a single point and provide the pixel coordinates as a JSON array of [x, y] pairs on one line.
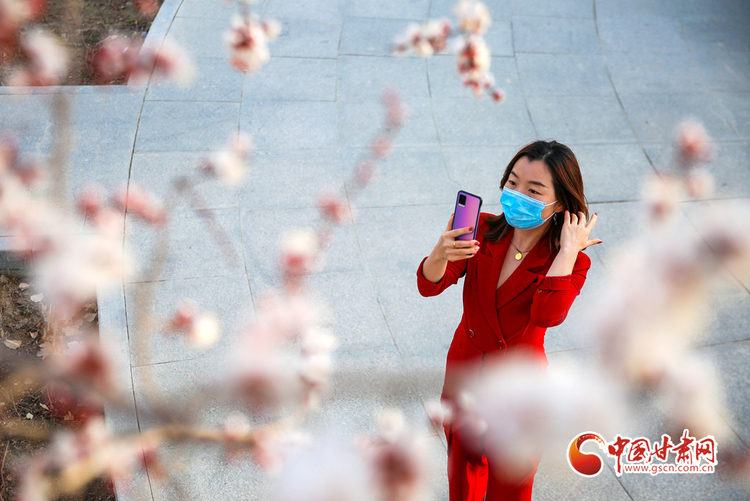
[[467, 215]]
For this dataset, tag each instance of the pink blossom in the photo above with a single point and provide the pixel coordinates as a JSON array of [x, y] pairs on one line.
[[382, 146], [76, 456], [473, 17], [86, 363], [33, 226], [300, 252], [201, 330], [147, 454], [367, 170], [147, 7], [229, 165], [333, 208], [72, 267], [90, 201], [728, 237], [398, 460], [205, 331], [14, 15], [528, 411], [396, 110], [271, 27], [47, 61], [411, 40], [662, 197], [440, 414], [168, 61], [27, 172], [137, 201], [248, 39], [109, 222], [68, 267], [329, 470], [693, 143], [317, 345], [184, 317], [285, 355], [119, 57], [424, 40], [269, 382], [8, 152], [473, 60], [698, 183], [114, 58], [498, 95]]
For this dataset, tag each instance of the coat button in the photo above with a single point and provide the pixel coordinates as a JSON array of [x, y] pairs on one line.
[[539, 291], [471, 333], [500, 343]]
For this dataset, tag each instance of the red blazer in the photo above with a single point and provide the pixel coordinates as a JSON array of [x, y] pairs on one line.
[[529, 302]]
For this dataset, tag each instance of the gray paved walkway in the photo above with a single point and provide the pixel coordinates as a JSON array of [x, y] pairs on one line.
[[611, 78]]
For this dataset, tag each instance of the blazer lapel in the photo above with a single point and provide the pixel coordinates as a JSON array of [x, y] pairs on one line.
[[522, 277], [489, 266]]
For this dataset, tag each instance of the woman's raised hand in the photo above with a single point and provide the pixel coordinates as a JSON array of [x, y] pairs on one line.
[[575, 232], [449, 249]]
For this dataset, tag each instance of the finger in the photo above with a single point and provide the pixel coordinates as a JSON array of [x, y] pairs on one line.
[[459, 231], [581, 217], [592, 222], [456, 255], [573, 219], [464, 244], [567, 217], [450, 222], [593, 241]]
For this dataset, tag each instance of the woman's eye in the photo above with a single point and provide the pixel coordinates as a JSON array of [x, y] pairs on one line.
[[511, 183], [534, 192]]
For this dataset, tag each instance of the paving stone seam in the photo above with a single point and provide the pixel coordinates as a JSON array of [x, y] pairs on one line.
[[619, 101], [716, 102], [520, 83]]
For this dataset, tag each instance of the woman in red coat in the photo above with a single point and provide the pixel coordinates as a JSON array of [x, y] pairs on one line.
[[522, 272]]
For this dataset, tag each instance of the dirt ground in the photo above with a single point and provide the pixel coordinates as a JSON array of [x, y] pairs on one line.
[[95, 21], [22, 329]]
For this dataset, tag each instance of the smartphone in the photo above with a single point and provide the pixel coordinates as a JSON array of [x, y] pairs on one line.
[[466, 213]]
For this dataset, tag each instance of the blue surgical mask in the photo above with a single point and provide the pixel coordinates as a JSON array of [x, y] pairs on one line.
[[521, 211]]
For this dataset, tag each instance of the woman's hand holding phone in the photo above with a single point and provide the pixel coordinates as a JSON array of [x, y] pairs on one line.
[[450, 249]]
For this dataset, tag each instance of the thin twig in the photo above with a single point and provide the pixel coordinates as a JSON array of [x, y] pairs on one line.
[[58, 161], [195, 200], [2, 468], [144, 299]]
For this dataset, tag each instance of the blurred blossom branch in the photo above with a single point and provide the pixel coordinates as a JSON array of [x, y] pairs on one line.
[[247, 39], [69, 269], [472, 53], [655, 311]]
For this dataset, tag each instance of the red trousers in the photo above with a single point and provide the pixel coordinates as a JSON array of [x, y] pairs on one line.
[[471, 478]]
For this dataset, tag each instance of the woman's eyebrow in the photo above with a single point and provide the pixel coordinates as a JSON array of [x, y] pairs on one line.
[[530, 182]]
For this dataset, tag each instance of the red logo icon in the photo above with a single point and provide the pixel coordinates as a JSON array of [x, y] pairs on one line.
[[585, 464]]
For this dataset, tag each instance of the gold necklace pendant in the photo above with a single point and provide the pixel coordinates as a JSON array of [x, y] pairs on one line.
[[518, 256]]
